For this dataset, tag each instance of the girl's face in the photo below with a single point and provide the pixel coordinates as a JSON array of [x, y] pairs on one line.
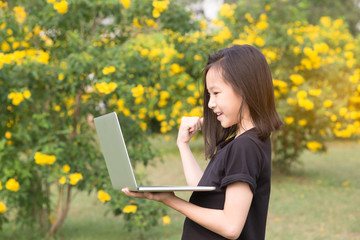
[[224, 101]]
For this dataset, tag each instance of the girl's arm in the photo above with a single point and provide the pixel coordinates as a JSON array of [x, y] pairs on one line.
[[188, 127], [228, 222]]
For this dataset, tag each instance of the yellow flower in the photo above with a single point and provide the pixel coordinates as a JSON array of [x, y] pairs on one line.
[[263, 17], [106, 88], [66, 168], [12, 185], [314, 146], [301, 94], [103, 196], [61, 77], [155, 13], [125, 3], [43, 159], [289, 120], [270, 55], [75, 178], [8, 135], [262, 25], [175, 69], [43, 57], [105, 71], [2, 207], [143, 126], [130, 209], [191, 87], [61, 7], [144, 52], [16, 98], [160, 6], [0, 185], [302, 122], [203, 24], [249, 18], [259, 41], [223, 35], [333, 118], [291, 101], [5, 47], [120, 103], [137, 91], [338, 23], [315, 92], [160, 117], [162, 103], [164, 95], [3, 4], [350, 46], [328, 103], [198, 57], [296, 79], [151, 23], [57, 108], [62, 180], [27, 94], [20, 14], [306, 103], [227, 10], [191, 100], [9, 31], [108, 70], [166, 220], [325, 21]]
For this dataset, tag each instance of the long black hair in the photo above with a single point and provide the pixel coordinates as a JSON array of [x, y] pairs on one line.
[[245, 68]]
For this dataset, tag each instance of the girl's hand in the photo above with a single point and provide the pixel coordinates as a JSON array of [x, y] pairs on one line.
[[160, 197], [188, 127]]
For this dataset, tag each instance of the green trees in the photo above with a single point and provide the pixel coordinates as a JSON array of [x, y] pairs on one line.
[[64, 62]]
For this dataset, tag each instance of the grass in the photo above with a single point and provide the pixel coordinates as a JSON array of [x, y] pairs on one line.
[[318, 200]]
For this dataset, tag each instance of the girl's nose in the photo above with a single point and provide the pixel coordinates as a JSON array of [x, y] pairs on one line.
[[211, 104]]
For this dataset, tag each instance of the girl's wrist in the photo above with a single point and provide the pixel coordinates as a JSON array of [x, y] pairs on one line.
[[169, 200], [182, 144]]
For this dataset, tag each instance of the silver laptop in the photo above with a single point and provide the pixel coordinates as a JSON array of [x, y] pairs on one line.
[[118, 162]]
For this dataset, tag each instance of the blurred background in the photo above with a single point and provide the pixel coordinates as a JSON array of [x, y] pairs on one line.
[[64, 62]]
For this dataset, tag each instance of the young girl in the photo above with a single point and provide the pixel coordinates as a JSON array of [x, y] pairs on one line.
[[239, 116]]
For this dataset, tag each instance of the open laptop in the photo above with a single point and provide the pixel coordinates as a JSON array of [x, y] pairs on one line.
[[118, 162]]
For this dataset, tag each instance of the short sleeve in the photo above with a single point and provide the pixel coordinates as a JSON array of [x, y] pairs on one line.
[[243, 163]]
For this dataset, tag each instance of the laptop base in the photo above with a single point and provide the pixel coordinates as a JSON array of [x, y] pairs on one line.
[[174, 188]]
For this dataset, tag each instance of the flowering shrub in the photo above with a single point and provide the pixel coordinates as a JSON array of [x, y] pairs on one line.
[[64, 62], [315, 72]]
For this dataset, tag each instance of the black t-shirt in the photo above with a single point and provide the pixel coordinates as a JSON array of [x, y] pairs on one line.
[[242, 159]]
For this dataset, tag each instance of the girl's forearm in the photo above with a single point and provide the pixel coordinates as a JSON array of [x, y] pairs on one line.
[[212, 219], [192, 170]]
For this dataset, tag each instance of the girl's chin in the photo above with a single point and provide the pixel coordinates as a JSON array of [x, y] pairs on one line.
[[225, 125]]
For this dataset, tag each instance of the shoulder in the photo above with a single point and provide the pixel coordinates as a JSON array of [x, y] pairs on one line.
[[248, 149], [247, 141]]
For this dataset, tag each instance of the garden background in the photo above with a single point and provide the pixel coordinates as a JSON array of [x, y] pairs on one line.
[[64, 62]]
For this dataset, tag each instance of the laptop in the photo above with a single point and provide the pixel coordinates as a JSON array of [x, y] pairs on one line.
[[118, 162]]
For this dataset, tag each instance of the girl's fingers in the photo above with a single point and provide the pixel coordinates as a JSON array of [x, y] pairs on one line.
[[188, 127], [133, 194]]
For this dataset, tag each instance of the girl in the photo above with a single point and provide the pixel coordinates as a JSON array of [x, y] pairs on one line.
[[239, 116]]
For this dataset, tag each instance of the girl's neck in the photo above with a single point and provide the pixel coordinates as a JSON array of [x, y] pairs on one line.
[[244, 126]]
